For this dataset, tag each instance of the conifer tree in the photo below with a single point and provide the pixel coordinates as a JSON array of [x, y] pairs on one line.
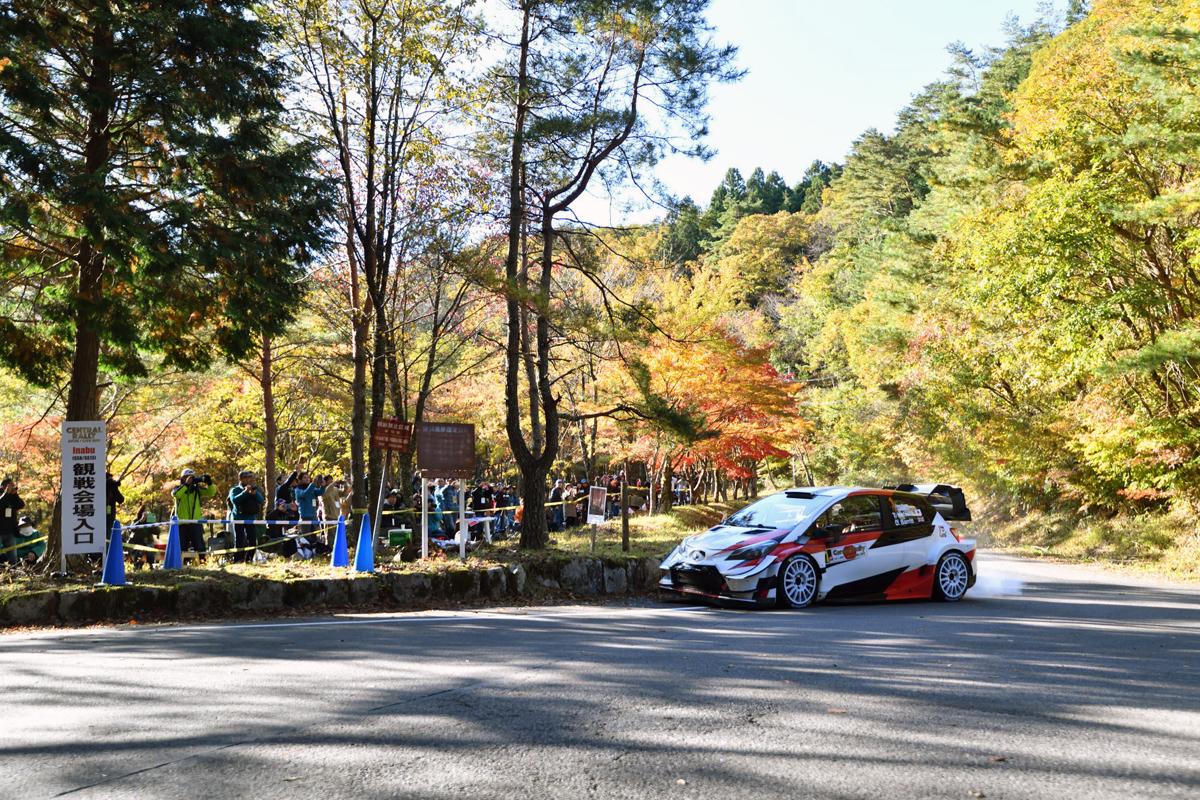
[[148, 201]]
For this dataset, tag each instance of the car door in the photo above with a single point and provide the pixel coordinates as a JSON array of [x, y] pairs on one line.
[[852, 566], [908, 526]]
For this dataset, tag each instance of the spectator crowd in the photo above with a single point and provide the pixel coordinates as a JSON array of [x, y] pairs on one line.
[[296, 516]]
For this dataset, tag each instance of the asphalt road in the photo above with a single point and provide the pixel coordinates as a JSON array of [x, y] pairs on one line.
[[1084, 685]]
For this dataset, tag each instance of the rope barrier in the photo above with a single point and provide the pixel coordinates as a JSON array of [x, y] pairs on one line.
[[454, 511], [267, 522], [283, 522], [226, 550], [24, 544]]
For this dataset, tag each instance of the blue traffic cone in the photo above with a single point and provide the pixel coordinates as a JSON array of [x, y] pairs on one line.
[[173, 557], [341, 556], [364, 553], [114, 559]]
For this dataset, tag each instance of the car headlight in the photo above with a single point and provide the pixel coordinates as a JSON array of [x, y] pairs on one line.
[[752, 552]]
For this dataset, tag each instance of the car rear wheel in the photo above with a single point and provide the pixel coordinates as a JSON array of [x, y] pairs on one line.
[[798, 581], [951, 578]]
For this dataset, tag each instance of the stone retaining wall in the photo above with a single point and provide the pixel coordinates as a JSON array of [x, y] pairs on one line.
[[237, 596]]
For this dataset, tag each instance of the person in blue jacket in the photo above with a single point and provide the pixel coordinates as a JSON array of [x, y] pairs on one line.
[[245, 504], [307, 491]]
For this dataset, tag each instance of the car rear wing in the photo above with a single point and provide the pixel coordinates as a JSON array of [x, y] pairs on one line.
[[947, 500]]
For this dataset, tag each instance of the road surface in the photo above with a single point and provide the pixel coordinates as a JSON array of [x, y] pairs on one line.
[[1083, 685]]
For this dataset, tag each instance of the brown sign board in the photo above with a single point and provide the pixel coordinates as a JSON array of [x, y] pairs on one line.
[[390, 433], [446, 449]]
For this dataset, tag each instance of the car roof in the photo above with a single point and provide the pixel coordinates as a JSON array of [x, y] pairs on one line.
[[832, 491]]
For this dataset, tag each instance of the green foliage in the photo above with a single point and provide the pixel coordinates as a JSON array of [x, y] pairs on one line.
[[147, 195], [1009, 296]]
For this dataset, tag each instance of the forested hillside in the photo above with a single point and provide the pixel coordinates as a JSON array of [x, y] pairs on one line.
[[1002, 292]]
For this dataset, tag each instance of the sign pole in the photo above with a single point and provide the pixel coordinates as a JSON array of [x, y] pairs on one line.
[[387, 466], [462, 522], [424, 517]]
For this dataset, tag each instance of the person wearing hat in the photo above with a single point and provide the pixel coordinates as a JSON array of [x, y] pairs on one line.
[[27, 534], [245, 504], [189, 498]]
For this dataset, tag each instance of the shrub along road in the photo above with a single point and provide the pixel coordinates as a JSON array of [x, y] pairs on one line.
[[1079, 684]]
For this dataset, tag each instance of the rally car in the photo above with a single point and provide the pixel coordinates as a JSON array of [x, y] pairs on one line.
[[804, 545]]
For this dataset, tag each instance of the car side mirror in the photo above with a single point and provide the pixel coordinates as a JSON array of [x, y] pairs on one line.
[[832, 531]]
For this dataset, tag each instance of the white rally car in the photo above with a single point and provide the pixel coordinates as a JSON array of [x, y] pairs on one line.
[[803, 545]]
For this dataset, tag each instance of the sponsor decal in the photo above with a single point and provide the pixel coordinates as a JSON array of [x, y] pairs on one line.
[[838, 555]]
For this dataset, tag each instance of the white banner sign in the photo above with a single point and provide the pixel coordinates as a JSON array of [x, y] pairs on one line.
[[83, 487], [596, 499]]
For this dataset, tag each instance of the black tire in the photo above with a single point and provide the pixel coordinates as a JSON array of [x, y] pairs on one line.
[[798, 583], [951, 578]]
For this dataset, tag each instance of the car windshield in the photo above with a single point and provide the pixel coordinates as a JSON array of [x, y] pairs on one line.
[[776, 511]]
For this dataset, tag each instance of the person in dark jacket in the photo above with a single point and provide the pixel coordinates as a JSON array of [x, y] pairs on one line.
[[557, 515], [112, 499], [285, 485], [245, 504], [143, 537], [10, 508]]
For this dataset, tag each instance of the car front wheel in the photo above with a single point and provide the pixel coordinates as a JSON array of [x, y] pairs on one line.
[[951, 579], [798, 581]]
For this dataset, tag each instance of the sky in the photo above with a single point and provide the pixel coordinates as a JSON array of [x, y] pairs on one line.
[[820, 72]]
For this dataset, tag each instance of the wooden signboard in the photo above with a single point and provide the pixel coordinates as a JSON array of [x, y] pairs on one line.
[[392, 434], [446, 449]]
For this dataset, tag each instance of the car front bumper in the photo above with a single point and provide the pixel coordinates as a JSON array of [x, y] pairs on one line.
[[706, 583]]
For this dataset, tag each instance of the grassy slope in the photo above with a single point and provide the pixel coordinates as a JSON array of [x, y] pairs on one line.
[[648, 536], [1164, 544]]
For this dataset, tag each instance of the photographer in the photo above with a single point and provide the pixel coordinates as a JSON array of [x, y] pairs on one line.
[[331, 503], [189, 498], [10, 504], [307, 492], [285, 485], [245, 504]]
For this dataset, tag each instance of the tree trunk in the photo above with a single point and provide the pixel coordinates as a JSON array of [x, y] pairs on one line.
[[534, 531], [533, 463], [359, 435], [89, 297], [267, 381], [379, 401], [668, 479]]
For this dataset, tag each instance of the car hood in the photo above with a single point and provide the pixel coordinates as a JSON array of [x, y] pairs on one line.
[[728, 537]]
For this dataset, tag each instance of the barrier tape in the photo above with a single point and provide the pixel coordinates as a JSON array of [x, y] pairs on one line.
[[268, 522], [24, 544], [454, 511], [223, 551], [580, 499]]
